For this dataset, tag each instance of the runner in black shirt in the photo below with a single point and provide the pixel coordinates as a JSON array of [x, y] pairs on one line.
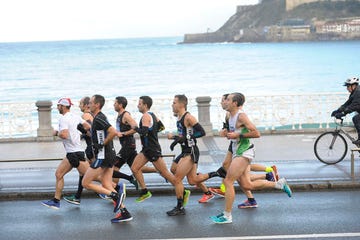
[[102, 134]]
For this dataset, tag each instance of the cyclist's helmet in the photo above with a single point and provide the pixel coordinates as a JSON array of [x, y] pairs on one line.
[[351, 81]]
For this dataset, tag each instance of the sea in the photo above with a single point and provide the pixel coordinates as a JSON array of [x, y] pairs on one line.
[[161, 68]]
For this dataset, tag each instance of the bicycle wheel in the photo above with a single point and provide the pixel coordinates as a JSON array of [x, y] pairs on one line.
[[330, 147]]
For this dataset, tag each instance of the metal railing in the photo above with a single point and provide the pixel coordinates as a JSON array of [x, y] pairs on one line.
[[269, 113]]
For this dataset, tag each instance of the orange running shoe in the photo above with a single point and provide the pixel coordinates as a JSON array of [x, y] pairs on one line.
[[206, 198]]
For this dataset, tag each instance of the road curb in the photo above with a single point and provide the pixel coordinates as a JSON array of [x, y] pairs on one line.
[[168, 190]]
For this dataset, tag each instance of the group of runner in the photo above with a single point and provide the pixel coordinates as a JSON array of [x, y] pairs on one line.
[[103, 163]]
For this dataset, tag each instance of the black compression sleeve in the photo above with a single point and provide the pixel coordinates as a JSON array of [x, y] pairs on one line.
[[198, 130], [142, 131], [161, 126]]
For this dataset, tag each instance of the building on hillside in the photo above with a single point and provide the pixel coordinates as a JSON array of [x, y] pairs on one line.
[[348, 28], [289, 30]]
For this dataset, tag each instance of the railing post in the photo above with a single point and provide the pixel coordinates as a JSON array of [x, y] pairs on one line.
[[45, 130], [203, 104]]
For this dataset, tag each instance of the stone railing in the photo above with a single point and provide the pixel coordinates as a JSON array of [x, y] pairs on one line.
[[295, 111], [18, 119], [270, 113]]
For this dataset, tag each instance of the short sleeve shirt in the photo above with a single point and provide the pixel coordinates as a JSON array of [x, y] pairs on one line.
[[69, 122]]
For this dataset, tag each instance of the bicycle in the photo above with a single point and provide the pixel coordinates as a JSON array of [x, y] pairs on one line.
[[331, 147]]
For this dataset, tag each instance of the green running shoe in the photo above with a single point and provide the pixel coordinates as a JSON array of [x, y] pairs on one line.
[[186, 197], [72, 199], [144, 197]]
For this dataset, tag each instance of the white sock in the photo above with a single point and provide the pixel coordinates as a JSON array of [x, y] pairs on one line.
[[279, 184], [227, 214]]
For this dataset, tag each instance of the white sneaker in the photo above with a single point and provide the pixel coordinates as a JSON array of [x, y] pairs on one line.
[[284, 186]]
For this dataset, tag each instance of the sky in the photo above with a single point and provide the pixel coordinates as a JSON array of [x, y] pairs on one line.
[[47, 20]]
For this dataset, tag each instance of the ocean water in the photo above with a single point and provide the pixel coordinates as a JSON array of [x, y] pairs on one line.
[[161, 68]]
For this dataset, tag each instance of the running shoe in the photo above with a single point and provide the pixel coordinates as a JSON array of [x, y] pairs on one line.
[[105, 197], [72, 199], [176, 211], [221, 219], [51, 204], [248, 204], [285, 187], [134, 182], [123, 215], [215, 217], [206, 198], [222, 187], [186, 197], [217, 191], [276, 174], [121, 196], [143, 197]]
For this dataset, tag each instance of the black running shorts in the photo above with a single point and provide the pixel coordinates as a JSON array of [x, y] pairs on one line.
[[74, 158]]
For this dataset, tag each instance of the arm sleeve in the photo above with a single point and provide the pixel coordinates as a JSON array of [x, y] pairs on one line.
[[142, 131], [81, 128], [160, 126], [198, 131]]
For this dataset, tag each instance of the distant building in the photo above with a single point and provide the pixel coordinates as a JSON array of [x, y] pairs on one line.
[[289, 30], [342, 28]]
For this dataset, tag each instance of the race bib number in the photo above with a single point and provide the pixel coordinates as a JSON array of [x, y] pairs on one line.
[[101, 137]]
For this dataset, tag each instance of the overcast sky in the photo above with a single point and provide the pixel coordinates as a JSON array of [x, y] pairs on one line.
[[43, 20]]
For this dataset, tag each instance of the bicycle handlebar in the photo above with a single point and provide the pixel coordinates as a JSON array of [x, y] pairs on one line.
[[339, 121]]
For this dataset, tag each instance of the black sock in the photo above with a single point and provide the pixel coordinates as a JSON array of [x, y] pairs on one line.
[[132, 178], [251, 199], [117, 188], [143, 191], [221, 172], [114, 196], [208, 193], [117, 174], [180, 202], [56, 200], [80, 188], [213, 174]]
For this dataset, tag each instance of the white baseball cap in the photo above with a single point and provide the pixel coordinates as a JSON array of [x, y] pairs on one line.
[[65, 102]]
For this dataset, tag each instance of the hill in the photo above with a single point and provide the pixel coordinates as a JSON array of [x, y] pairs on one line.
[[248, 24]]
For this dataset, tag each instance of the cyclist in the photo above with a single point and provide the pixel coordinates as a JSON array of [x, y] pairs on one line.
[[351, 105]]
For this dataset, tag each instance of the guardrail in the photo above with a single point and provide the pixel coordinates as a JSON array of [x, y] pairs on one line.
[[269, 113]]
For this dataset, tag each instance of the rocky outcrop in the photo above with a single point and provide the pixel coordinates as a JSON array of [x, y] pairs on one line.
[[248, 21]]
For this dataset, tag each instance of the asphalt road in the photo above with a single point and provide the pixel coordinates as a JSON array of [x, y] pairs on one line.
[[307, 215]]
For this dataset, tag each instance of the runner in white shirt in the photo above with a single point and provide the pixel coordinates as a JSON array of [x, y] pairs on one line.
[[75, 157]]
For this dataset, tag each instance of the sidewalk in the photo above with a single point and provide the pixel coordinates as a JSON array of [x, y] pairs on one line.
[[292, 154]]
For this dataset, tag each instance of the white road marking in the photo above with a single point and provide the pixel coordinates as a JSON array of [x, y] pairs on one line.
[[298, 236]]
